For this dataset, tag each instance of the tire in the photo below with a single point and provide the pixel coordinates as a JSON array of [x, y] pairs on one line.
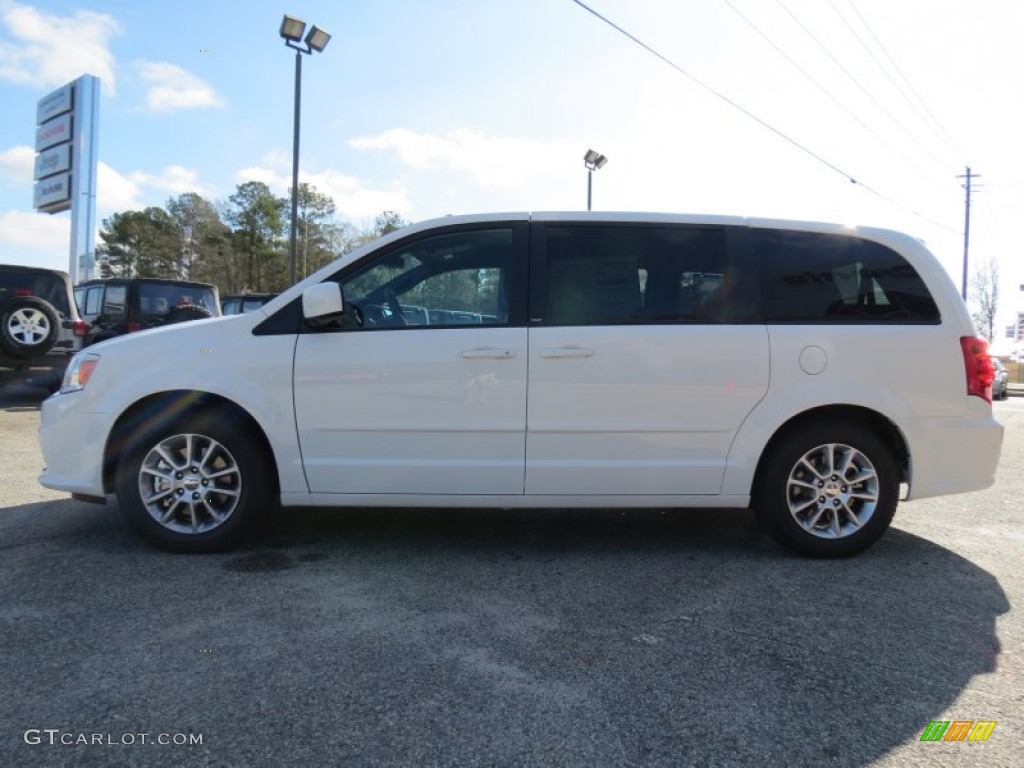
[[813, 511], [186, 313], [204, 504], [29, 326]]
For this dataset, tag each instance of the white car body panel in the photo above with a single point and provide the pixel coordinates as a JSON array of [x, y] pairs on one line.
[[631, 410], [413, 411]]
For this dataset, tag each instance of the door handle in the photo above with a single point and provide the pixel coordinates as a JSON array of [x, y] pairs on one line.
[[490, 354], [567, 352]]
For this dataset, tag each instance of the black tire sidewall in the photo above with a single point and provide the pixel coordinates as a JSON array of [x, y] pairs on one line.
[[12, 346], [770, 501], [257, 488]]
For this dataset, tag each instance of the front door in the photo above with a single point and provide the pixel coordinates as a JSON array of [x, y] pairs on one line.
[[423, 391]]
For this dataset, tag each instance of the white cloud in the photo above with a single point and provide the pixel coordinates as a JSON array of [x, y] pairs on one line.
[[494, 161], [175, 179], [18, 163], [35, 231], [351, 197], [45, 49], [171, 87], [115, 192]]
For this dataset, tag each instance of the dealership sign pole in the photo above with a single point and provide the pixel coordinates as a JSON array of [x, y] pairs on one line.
[[67, 127]]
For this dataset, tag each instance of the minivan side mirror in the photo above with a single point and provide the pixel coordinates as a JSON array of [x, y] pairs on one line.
[[322, 303]]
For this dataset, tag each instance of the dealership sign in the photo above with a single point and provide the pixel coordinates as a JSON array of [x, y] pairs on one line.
[[67, 121], [55, 117], [54, 160], [53, 191]]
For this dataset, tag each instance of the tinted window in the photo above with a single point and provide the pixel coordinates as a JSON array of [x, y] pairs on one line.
[[460, 278], [613, 274], [49, 287], [114, 300], [156, 299], [818, 278]]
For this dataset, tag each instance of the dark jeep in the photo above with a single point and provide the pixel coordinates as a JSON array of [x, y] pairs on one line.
[[116, 306]]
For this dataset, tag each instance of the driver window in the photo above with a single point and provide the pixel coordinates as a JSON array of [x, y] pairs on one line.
[[455, 279]]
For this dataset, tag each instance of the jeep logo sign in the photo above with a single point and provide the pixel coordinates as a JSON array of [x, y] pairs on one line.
[[53, 161]]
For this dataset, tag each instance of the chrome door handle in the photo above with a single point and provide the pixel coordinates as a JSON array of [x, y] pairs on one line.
[[567, 352], [491, 354]]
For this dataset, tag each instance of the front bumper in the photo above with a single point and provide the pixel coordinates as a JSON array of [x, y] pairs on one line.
[[72, 443]]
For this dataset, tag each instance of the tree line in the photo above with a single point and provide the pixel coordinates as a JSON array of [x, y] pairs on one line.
[[240, 244]]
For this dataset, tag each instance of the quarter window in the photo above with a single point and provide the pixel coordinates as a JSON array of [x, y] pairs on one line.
[[114, 300], [818, 278]]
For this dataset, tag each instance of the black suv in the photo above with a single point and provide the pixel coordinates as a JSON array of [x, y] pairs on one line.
[[116, 306], [37, 314]]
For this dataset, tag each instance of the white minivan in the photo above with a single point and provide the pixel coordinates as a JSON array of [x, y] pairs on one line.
[[551, 360]]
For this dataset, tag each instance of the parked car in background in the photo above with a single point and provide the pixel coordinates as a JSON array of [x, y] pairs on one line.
[[552, 360], [37, 314], [116, 306], [1000, 384], [240, 303]]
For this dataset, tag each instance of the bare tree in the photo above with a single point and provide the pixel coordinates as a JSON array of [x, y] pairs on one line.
[[984, 294]]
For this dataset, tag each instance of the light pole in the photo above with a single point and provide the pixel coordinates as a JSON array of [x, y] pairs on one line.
[[593, 160], [316, 40]]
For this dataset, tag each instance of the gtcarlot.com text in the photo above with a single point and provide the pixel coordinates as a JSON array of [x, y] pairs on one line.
[[55, 736]]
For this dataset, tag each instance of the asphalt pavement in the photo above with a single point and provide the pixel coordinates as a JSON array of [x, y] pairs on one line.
[[507, 638]]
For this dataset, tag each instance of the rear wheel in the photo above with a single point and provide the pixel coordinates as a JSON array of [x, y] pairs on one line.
[[195, 485], [828, 490]]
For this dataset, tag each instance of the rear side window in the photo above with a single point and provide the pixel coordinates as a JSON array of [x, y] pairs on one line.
[[114, 300], [808, 277], [620, 273]]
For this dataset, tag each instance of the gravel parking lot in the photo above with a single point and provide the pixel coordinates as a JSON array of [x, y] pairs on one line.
[[543, 638]]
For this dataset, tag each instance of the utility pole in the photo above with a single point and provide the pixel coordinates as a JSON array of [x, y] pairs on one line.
[[967, 224]]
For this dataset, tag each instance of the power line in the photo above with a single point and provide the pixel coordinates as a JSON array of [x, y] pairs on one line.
[[759, 120], [863, 90], [936, 125], [829, 93]]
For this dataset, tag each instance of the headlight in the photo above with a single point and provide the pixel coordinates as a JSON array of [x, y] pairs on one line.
[[79, 372]]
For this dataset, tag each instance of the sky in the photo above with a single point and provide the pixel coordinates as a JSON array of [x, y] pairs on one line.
[[852, 111]]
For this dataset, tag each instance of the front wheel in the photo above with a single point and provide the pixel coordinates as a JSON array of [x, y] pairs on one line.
[[195, 485], [828, 490]]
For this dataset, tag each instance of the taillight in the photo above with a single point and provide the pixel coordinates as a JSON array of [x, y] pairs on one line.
[[978, 367], [133, 327], [80, 328]]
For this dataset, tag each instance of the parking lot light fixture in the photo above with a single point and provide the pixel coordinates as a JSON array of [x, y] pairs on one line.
[[292, 28], [594, 161], [317, 39]]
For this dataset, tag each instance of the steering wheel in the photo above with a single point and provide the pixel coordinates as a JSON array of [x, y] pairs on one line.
[[398, 317]]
